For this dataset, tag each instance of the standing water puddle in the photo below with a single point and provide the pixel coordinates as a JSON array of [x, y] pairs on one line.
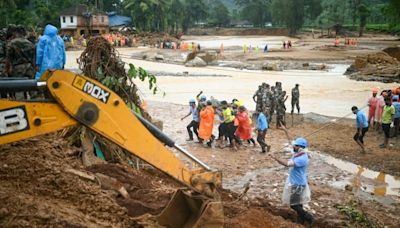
[[378, 183]]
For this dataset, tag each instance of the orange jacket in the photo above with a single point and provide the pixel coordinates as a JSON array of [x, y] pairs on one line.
[[206, 123]]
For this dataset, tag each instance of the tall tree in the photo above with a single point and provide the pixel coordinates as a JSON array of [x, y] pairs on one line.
[[364, 12], [219, 14], [255, 11], [290, 13]]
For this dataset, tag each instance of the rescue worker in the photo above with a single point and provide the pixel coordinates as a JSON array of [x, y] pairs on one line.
[[259, 95], [296, 99], [362, 127], [281, 109], [20, 57], [262, 127], [266, 100], [372, 103], [273, 103], [207, 123], [227, 126], [296, 191], [243, 131], [50, 51], [396, 105], [387, 120], [379, 110], [194, 124]]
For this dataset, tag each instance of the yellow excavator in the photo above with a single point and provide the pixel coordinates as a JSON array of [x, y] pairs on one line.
[[76, 99]]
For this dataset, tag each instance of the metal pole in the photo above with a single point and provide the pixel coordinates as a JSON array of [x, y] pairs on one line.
[[191, 156]]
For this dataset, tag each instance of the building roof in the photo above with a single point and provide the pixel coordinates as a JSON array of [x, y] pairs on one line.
[[78, 10], [118, 20]]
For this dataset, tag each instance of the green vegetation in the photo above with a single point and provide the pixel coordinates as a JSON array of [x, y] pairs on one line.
[[175, 16], [355, 216]]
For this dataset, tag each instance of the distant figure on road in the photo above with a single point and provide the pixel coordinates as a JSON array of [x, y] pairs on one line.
[[362, 127], [266, 48], [284, 44], [50, 51], [296, 98]]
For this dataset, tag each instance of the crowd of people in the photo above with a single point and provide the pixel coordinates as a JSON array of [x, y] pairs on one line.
[[383, 115], [235, 120], [21, 57]]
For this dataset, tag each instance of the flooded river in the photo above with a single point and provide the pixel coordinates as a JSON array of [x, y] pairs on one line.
[[323, 92]]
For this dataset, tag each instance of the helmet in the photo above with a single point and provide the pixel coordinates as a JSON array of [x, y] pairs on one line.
[[302, 142], [203, 98], [375, 91], [396, 98], [192, 101]]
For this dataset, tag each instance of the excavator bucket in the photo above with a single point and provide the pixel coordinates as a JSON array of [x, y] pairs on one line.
[[192, 210]]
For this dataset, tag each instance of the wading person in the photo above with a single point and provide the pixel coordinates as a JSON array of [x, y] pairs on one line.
[[206, 124], [262, 127], [296, 191], [362, 127], [387, 120], [194, 124]]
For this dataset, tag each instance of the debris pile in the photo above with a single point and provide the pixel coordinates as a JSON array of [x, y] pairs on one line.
[[153, 39], [379, 66], [44, 183]]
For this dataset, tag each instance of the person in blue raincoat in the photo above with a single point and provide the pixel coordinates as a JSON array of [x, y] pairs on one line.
[[50, 51]]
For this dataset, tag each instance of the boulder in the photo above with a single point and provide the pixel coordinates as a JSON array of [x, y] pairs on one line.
[[393, 52], [208, 57], [159, 57], [271, 67], [196, 62]]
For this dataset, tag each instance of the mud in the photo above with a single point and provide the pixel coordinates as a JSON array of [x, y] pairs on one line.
[[379, 198], [36, 190]]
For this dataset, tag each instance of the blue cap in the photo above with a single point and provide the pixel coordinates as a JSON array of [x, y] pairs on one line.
[[192, 101], [396, 98], [203, 98], [302, 142]]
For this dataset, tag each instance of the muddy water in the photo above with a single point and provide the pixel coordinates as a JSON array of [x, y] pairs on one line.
[[367, 180], [327, 93]]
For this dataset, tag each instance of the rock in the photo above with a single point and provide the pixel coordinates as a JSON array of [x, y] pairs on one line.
[[159, 57], [196, 62], [271, 67], [208, 57], [393, 52], [348, 187], [306, 64]]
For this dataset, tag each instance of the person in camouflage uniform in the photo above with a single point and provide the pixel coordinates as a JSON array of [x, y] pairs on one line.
[[3, 44], [281, 109], [258, 101], [273, 103], [296, 98], [20, 57], [267, 100]]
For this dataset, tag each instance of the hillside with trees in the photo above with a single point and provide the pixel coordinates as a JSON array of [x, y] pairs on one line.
[[179, 15]]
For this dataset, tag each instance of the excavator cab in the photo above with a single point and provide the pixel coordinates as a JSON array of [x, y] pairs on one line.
[[76, 99]]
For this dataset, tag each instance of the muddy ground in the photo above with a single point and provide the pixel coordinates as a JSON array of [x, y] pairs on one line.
[[328, 181], [38, 190]]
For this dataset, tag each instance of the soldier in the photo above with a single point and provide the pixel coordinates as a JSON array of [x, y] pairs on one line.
[[258, 95], [3, 44], [20, 54], [296, 99], [273, 103], [281, 109], [267, 97]]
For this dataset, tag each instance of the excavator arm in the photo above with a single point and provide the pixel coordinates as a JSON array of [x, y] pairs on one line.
[[78, 99]]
